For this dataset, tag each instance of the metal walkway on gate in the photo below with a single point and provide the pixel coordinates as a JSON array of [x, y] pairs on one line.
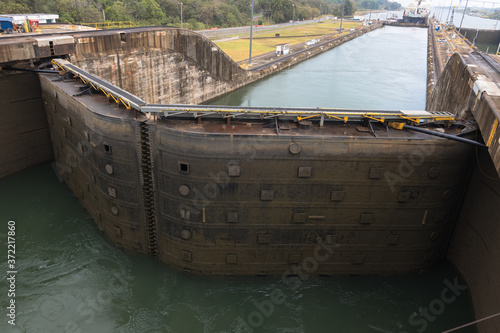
[[130, 101]]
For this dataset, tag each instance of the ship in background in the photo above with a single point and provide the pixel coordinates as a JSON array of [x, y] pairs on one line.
[[417, 12]]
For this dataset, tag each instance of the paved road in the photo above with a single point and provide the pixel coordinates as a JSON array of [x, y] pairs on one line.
[[222, 33]]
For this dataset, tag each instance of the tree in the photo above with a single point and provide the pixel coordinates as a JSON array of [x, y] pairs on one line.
[[369, 4], [195, 25], [243, 7], [13, 7], [349, 8], [279, 10], [117, 12], [393, 6], [151, 11]]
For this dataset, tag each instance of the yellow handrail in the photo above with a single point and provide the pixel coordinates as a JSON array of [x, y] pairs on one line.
[[111, 25], [71, 26], [121, 97]]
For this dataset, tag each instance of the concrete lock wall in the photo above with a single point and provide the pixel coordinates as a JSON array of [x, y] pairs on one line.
[[467, 92], [220, 203], [170, 66], [452, 91], [24, 131], [481, 36], [164, 66], [97, 157], [216, 214], [100, 181], [474, 247], [160, 65]]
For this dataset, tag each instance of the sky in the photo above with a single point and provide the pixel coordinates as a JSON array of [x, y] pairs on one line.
[[446, 3]]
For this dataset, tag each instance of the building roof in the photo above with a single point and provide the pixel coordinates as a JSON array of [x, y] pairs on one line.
[[42, 18], [38, 15]]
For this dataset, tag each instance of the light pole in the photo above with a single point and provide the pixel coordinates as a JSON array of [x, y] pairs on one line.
[[448, 16], [460, 28], [293, 17], [342, 17], [251, 35], [180, 3]]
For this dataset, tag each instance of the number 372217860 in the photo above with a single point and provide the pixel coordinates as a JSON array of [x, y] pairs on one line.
[[11, 244]]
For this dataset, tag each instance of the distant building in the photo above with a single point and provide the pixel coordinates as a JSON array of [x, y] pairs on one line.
[[282, 49], [42, 18]]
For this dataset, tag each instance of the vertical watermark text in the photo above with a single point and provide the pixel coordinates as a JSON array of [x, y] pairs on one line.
[[11, 272]]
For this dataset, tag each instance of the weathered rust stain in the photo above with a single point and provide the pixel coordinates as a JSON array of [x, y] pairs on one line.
[[225, 191]]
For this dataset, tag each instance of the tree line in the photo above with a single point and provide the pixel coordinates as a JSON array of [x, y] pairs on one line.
[[196, 14]]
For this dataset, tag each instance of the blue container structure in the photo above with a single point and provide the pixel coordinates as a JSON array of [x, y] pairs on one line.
[[6, 25]]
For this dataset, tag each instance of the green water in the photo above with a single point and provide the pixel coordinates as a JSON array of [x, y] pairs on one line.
[[487, 48], [70, 278], [384, 69]]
